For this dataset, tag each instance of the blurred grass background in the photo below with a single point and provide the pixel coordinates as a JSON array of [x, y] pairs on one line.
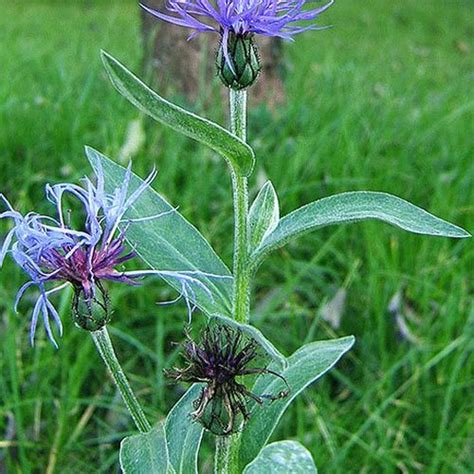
[[383, 101]]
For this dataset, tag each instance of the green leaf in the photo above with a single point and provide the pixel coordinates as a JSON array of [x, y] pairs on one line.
[[281, 458], [145, 453], [204, 131], [305, 366], [254, 333], [264, 215], [184, 435], [170, 242], [352, 207]]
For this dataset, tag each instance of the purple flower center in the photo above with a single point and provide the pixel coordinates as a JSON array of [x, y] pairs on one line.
[[83, 266]]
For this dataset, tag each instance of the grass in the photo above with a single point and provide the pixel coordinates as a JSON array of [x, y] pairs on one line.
[[382, 102]]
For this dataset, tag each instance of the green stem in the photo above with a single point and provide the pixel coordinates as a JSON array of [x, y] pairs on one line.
[[227, 448], [238, 116], [221, 460], [106, 350], [226, 457]]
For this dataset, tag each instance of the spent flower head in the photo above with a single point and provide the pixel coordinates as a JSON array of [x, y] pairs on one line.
[[55, 255], [222, 356], [237, 21]]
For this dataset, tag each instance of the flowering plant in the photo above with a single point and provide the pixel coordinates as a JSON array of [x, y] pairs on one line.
[[241, 383]]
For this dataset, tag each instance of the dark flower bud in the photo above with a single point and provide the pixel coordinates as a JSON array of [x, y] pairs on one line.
[[238, 63], [91, 313]]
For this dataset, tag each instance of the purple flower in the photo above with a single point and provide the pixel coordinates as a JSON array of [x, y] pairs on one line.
[[237, 21], [54, 255], [241, 17]]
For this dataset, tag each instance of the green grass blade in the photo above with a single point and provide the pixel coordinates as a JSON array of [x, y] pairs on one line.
[[209, 133]]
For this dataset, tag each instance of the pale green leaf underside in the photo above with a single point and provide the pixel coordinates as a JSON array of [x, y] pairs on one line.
[[254, 333], [184, 435], [145, 453], [352, 207], [264, 215], [170, 242], [305, 366], [204, 131], [283, 457]]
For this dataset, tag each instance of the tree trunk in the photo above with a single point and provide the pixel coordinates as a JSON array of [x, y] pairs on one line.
[[187, 67]]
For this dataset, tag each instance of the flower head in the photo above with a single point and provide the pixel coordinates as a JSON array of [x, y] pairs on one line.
[[222, 356], [241, 17], [55, 255], [237, 21]]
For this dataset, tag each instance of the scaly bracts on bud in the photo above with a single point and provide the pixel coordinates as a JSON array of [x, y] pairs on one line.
[[238, 64]]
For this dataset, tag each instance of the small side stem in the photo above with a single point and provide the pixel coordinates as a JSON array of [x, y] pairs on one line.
[[238, 116], [104, 346]]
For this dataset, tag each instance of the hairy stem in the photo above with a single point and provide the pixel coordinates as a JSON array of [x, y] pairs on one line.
[[238, 116], [104, 346], [221, 458], [227, 448], [226, 456]]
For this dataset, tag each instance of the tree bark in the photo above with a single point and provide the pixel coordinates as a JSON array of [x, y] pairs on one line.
[[186, 66]]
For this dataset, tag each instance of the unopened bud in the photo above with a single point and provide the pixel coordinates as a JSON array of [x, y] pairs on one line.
[[240, 68], [91, 313]]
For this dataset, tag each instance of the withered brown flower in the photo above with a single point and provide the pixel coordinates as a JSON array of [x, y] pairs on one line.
[[223, 356]]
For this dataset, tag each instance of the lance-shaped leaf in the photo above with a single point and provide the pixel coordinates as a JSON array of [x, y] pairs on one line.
[[264, 215], [184, 435], [146, 453], [305, 366], [254, 333], [209, 133], [283, 457], [170, 242], [352, 207]]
